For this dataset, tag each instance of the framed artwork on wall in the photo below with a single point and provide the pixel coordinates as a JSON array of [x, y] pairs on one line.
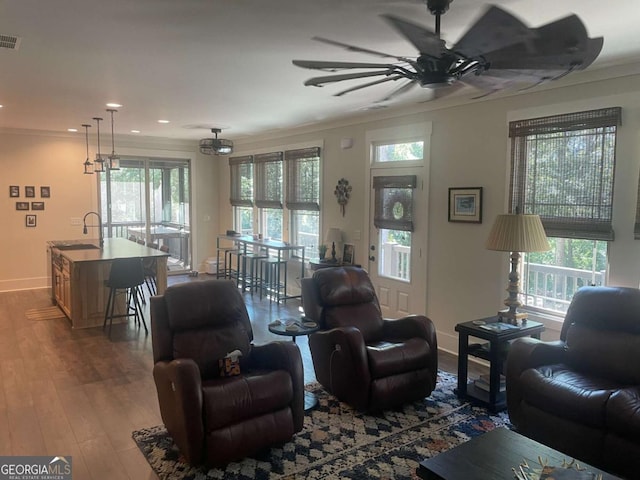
[[14, 191], [348, 253], [37, 205], [45, 192], [465, 204], [29, 191], [30, 220], [22, 205]]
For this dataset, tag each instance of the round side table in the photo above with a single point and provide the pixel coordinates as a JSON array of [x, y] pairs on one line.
[[310, 400]]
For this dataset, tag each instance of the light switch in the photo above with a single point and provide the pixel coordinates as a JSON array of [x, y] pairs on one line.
[[356, 235]]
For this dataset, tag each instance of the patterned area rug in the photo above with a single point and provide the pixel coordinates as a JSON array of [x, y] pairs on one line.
[[338, 442]]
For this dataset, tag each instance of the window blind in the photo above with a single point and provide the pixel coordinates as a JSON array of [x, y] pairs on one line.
[[303, 179], [241, 171], [393, 207], [562, 168], [268, 180]]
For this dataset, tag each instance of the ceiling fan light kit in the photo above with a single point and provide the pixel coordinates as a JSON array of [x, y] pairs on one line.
[[498, 52], [216, 146]]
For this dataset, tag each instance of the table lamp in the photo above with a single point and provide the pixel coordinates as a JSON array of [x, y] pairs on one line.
[[333, 236], [516, 233]]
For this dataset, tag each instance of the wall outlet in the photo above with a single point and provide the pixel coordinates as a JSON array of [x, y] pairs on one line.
[[76, 221]]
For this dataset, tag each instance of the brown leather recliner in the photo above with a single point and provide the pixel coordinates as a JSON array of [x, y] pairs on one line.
[[212, 418], [367, 361], [581, 394]]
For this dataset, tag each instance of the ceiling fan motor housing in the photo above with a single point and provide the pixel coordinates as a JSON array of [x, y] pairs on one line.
[[438, 7]]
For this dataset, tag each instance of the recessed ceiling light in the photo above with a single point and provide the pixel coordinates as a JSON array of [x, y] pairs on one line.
[[163, 121], [113, 105], [72, 130], [1, 106], [135, 131]]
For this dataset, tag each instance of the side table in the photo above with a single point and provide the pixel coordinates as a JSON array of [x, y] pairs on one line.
[[498, 336], [310, 400]]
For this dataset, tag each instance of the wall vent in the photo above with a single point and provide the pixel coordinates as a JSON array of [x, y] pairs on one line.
[[10, 41]]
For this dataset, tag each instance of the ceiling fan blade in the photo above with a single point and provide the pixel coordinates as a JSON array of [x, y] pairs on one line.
[[335, 66], [353, 48], [399, 91], [319, 81], [495, 30], [561, 45], [424, 40], [369, 84]]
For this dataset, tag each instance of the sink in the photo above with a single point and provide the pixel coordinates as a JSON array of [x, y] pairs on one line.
[[76, 246]]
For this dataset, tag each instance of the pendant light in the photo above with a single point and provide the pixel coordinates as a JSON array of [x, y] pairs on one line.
[[114, 160], [99, 165], [88, 165]]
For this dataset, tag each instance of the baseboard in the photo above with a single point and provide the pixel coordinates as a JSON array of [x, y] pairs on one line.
[[24, 284]]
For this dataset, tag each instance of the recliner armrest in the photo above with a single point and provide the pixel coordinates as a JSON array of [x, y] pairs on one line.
[[286, 356], [179, 387]]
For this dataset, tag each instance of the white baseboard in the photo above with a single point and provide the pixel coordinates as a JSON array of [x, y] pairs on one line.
[[24, 284]]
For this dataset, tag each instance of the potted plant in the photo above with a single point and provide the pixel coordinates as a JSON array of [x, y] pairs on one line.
[[322, 251]]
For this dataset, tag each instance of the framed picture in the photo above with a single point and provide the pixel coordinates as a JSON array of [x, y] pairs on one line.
[[22, 205], [37, 205], [348, 253], [45, 192], [465, 204], [29, 191], [14, 191], [30, 220]]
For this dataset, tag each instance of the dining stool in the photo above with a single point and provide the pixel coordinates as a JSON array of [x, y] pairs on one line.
[[224, 270], [273, 285], [126, 277], [249, 270]]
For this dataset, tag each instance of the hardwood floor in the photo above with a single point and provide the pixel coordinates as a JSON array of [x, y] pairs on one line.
[[75, 392]]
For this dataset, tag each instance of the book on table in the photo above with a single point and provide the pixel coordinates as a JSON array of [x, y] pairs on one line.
[[483, 383]]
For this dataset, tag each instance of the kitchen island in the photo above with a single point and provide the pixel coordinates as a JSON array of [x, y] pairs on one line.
[[79, 270]]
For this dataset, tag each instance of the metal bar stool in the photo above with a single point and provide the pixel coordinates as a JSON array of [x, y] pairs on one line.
[[126, 276], [249, 270], [227, 266], [272, 283]]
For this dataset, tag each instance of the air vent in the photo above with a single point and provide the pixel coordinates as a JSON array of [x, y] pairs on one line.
[[10, 41]]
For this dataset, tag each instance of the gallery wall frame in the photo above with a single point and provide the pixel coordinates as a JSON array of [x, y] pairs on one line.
[[465, 204], [22, 205], [37, 205], [348, 253], [29, 191], [30, 220], [14, 191], [45, 192]]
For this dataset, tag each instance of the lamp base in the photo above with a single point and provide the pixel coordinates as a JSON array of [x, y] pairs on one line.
[[514, 318]]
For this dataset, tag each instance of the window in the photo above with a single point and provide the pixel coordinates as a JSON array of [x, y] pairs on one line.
[[268, 193], [562, 168], [399, 152], [241, 198], [303, 196]]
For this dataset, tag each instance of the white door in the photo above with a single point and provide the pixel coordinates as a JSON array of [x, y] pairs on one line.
[[397, 257]]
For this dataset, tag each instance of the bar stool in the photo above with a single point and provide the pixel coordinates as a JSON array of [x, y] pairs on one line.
[[227, 266], [272, 284], [249, 270], [126, 276]]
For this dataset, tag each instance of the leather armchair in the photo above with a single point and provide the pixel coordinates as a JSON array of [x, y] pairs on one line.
[[581, 394], [364, 360], [212, 418]]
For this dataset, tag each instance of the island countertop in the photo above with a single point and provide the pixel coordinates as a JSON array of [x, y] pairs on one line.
[[113, 248]]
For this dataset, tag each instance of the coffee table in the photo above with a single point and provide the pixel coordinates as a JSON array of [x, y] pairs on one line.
[[491, 456]]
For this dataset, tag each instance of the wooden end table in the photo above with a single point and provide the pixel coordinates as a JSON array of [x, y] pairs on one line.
[[310, 399], [498, 335], [491, 456]]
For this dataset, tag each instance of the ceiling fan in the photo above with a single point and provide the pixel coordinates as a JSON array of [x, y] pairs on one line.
[[498, 52]]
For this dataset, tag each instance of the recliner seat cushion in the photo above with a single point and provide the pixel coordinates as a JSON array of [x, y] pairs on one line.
[[230, 400], [386, 358], [561, 391], [623, 412]]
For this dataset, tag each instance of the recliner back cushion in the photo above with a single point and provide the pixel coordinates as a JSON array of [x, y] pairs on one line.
[[208, 320], [348, 298], [605, 353]]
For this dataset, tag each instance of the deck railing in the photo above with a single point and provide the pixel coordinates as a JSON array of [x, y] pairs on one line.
[[396, 261]]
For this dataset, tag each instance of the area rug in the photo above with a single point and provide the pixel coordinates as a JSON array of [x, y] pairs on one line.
[[338, 442]]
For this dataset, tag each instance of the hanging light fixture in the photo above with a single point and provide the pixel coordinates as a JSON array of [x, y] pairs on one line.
[[114, 160], [99, 165], [88, 165], [216, 146]]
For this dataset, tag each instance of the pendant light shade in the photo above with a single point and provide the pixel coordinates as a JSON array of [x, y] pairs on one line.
[[99, 164], [114, 160], [88, 165]]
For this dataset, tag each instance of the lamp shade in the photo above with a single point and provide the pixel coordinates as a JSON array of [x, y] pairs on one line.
[[518, 233], [333, 235]]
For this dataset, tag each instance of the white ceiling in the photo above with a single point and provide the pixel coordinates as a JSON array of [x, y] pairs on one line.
[[227, 63]]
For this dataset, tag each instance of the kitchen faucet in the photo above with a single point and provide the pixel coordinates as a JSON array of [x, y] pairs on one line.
[[99, 226]]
